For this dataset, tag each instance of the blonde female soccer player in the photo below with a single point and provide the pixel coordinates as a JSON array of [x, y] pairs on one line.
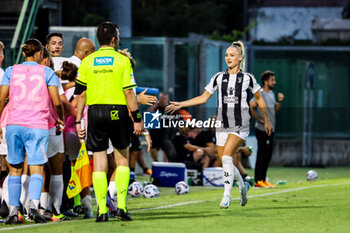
[[233, 113]]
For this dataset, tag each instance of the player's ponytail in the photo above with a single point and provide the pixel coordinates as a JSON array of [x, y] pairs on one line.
[[69, 71], [31, 46], [240, 47]]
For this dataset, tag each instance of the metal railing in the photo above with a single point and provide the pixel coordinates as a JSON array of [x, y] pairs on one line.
[[24, 28]]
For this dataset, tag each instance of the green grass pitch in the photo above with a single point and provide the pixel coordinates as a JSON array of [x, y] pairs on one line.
[[298, 206]]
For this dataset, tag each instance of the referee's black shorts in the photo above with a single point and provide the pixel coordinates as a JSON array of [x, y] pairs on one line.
[[108, 122]]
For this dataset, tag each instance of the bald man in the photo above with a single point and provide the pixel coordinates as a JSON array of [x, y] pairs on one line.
[[83, 48]]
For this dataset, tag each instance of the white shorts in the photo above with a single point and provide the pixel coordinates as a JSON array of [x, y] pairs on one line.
[[3, 145], [56, 144], [222, 135]]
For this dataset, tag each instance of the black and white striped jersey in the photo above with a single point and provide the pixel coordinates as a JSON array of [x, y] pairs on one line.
[[233, 108]]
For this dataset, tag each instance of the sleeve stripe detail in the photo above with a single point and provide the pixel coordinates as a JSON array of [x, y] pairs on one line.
[[250, 81], [129, 87], [215, 81], [80, 82]]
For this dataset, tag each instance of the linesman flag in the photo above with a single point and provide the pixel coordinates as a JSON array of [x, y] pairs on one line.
[[81, 175]]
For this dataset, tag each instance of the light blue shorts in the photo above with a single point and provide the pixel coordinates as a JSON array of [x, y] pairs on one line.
[[23, 140]]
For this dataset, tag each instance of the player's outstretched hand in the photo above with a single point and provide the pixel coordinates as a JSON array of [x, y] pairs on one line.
[[138, 128], [268, 127], [173, 106], [142, 98]]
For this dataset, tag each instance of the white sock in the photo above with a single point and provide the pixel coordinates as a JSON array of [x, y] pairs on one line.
[[239, 178], [24, 199], [56, 191], [227, 165], [34, 204], [5, 191], [86, 201], [49, 203], [44, 202], [13, 210], [112, 189]]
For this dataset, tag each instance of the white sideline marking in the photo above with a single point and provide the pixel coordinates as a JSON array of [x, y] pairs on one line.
[[186, 203], [237, 198], [168, 206]]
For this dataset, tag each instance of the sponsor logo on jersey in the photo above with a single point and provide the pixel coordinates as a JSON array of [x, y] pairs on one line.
[[103, 71], [103, 61], [231, 99]]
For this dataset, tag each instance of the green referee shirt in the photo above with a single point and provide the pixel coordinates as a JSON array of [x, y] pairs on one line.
[[106, 74]]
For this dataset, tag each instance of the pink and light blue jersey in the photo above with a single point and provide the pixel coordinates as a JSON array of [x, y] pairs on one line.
[[29, 97]]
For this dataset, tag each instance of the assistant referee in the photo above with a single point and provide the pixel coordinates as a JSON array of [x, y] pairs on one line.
[[105, 84]]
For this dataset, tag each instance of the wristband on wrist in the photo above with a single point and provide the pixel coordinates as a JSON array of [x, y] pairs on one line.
[[77, 122], [136, 116]]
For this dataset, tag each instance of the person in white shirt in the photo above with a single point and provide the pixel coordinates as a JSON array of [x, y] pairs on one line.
[[83, 48]]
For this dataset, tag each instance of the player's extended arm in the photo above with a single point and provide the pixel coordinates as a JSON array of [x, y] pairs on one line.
[[57, 103], [262, 106], [4, 92], [133, 107], [252, 106], [174, 106]]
